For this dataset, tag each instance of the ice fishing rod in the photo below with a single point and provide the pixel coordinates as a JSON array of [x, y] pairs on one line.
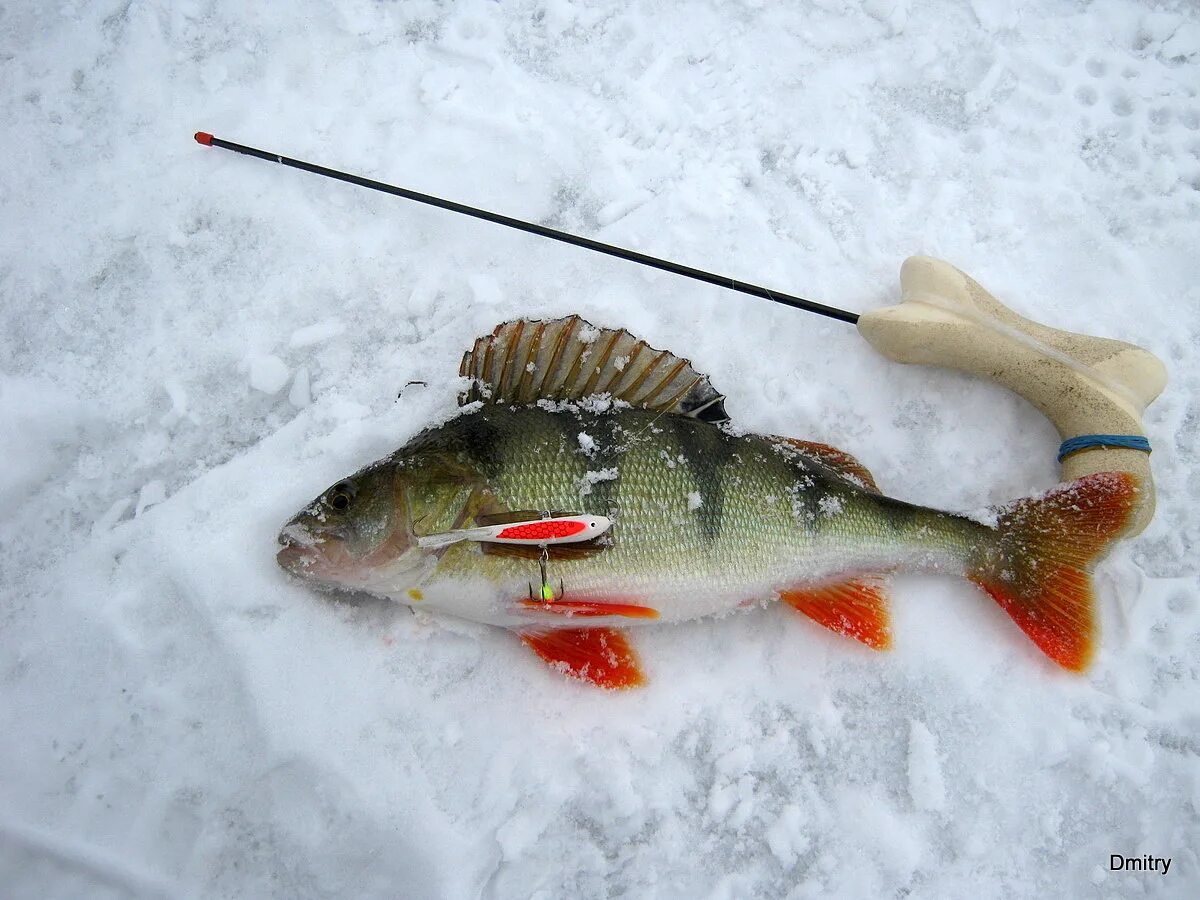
[[644, 259], [1094, 390]]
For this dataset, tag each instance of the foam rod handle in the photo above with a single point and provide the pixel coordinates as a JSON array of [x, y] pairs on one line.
[[1084, 385]]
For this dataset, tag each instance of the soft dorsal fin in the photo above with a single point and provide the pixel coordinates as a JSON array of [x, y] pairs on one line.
[[831, 457], [528, 360]]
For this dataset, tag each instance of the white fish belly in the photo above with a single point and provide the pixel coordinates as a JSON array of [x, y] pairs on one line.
[[678, 597]]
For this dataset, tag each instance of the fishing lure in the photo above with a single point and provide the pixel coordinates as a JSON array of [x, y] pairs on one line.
[[542, 533]]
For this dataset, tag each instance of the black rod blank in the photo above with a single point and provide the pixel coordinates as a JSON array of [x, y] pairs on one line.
[[724, 281]]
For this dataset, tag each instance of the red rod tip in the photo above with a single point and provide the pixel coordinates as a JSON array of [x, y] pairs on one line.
[[203, 137]]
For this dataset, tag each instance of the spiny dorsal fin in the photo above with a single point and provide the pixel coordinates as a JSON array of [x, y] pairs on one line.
[[831, 457], [528, 360]]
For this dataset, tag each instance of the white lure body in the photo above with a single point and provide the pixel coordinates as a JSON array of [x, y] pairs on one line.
[[536, 533]]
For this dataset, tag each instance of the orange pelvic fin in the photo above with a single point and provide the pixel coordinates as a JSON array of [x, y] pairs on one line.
[[590, 609], [1039, 571], [855, 608], [599, 656]]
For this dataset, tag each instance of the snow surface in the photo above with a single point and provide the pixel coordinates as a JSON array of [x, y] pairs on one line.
[[192, 344]]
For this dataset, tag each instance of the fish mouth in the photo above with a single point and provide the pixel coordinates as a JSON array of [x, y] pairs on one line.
[[308, 555], [296, 557], [323, 555], [293, 557]]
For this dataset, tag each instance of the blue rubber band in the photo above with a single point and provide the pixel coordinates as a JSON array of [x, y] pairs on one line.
[[1087, 441]]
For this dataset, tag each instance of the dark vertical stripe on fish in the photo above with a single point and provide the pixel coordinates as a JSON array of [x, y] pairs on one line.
[[901, 517], [806, 492], [478, 440], [707, 452]]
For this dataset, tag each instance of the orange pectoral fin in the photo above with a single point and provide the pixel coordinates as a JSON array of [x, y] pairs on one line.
[[599, 656], [590, 609], [855, 608]]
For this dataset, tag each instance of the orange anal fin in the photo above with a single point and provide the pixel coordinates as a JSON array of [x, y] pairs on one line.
[[855, 608], [590, 609], [599, 656]]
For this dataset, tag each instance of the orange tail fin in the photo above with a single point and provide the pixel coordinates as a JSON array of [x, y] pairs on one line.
[[1038, 570]]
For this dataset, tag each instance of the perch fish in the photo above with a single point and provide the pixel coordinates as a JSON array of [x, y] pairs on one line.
[[690, 516]]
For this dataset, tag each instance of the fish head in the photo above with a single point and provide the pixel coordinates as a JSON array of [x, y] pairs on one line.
[[360, 533], [354, 530]]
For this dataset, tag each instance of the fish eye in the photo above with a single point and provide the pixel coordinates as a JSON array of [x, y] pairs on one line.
[[340, 496]]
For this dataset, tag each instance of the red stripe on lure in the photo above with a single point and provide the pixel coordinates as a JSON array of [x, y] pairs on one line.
[[548, 531]]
